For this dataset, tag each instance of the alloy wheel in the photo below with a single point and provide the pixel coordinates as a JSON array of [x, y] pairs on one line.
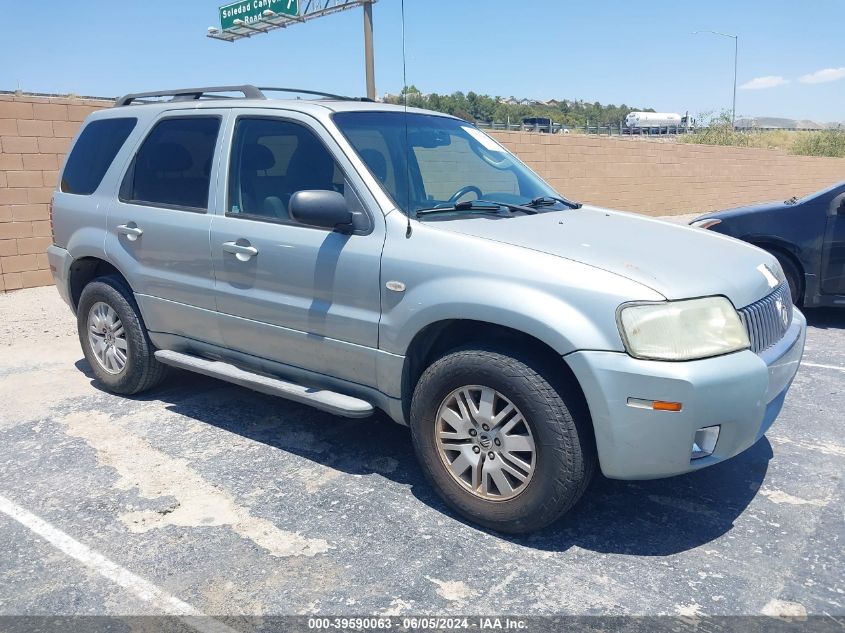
[[107, 337], [485, 443]]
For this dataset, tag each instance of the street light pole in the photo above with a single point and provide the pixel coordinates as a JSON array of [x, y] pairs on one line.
[[736, 58], [368, 51]]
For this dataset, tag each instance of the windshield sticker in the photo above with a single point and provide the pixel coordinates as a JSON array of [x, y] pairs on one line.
[[481, 137]]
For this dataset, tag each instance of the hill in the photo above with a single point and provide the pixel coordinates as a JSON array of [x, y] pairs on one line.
[[770, 122]]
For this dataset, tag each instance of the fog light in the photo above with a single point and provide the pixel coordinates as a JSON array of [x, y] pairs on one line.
[[704, 442]]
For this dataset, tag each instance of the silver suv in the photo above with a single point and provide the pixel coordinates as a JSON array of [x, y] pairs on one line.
[[357, 256]]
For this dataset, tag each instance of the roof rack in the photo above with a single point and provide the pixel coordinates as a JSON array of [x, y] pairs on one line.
[[327, 95], [192, 94], [213, 92]]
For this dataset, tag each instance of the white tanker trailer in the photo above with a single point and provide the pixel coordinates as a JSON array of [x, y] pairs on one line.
[[654, 120]]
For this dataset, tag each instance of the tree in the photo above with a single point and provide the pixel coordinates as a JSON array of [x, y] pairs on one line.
[[479, 107]]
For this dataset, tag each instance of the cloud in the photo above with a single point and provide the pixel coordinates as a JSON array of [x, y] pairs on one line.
[[761, 83], [823, 76]]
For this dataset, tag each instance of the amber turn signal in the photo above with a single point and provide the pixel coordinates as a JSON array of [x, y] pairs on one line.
[[660, 405], [654, 405]]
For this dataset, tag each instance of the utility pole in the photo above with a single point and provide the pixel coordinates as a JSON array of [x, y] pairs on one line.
[[736, 57], [368, 51]]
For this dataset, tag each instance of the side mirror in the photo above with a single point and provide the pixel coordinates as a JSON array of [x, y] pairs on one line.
[[322, 208]]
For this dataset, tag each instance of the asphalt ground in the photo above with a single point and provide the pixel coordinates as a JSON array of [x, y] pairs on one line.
[[206, 498]]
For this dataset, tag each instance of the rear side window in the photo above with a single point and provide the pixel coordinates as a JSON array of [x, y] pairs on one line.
[[92, 154], [173, 166]]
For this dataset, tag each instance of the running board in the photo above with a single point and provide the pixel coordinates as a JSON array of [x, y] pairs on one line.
[[329, 401]]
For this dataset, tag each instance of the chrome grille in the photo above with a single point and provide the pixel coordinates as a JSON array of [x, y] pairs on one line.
[[768, 319]]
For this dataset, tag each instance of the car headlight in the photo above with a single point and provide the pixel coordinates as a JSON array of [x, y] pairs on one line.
[[705, 223], [682, 330]]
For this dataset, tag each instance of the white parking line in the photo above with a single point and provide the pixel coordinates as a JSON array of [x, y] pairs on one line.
[[143, 589], [836, 367]]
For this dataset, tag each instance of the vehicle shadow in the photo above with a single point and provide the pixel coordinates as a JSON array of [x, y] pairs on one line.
[[662, 516], [643, 518], [826, 318]]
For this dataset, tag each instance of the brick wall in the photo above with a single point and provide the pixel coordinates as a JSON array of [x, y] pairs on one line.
[[647, 176], [666, 178], [35, 133]]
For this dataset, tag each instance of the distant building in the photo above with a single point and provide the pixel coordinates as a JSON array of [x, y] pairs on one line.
[[529, 102]]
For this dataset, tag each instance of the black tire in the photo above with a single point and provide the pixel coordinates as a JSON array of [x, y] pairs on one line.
[[793, 277], [142, 371], [558, 420]]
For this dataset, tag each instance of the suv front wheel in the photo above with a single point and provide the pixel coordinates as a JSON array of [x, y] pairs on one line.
[[502, 440], [114, 340]]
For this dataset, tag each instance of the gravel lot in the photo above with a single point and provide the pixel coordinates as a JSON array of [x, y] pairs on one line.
[[239, 503]]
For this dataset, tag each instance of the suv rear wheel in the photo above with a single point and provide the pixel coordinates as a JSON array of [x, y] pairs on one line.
[[114, 340], [504, 444]]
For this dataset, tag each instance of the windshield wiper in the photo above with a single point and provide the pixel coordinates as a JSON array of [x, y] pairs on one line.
[[547, 201], [461, 206], [477, 206], [510, 206]]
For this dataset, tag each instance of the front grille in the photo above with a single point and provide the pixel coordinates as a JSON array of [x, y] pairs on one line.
[[768, 319]]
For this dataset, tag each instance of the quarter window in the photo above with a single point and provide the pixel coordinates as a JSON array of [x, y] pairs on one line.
[[173, 166], [93, 153], [273, 159]]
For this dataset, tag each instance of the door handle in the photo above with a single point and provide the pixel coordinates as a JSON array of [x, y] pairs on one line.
[[130, 230], [242, 252]]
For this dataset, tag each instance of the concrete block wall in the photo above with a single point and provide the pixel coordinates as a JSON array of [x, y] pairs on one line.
[[660, 177], [35, 133], [654, 177]]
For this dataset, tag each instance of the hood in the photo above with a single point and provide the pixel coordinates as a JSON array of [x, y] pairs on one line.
[[747, 210], [824, 195], [677, 261]]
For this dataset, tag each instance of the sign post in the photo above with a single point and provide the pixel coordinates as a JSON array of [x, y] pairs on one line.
[[368, 51]]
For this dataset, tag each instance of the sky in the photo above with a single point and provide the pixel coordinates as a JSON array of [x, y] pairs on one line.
[[791, 54]]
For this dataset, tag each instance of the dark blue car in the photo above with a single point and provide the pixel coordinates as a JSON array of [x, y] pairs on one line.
[[806, 235]]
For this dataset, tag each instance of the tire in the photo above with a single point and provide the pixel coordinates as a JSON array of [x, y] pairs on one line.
[[555, 418], [793, 277], [140, 370]]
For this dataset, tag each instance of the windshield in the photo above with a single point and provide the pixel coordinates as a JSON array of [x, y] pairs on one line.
[[447, 161]]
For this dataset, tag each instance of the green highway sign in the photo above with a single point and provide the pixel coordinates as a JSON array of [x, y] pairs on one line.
[[250, 11]]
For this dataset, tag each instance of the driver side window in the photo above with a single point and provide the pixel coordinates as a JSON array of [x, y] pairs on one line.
[[445, 170], [273, 159]]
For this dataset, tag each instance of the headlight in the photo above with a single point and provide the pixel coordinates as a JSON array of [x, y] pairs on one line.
[[682, 330], [706, 223]]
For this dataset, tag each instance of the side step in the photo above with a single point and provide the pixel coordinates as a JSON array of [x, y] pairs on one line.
[[329, 401]]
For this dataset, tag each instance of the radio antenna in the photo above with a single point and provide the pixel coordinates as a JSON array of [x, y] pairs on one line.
[[408, 230]]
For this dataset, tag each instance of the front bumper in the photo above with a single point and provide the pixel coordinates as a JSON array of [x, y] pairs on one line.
[[741, 392]]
